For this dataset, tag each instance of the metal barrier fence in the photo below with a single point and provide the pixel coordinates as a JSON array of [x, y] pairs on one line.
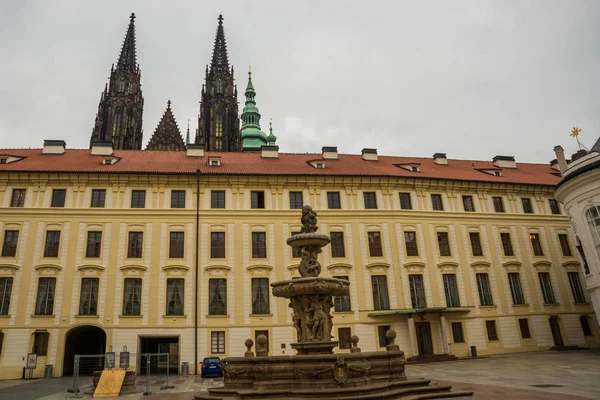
[[152, 371]]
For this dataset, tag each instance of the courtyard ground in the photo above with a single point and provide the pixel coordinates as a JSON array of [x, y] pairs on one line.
[[553, 375]]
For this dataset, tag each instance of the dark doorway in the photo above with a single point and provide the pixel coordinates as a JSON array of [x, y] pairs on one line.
[[555, 327], [162, 345], [84, 340], [424, 337]]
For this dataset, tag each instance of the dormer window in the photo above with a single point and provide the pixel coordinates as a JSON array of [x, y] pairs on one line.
[[497, 173], [490, 171], [214, 162], [320, 165], [3, 160], [412, 167], [110, 160], [7, 158]]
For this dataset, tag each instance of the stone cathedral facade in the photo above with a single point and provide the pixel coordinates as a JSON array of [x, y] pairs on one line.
[[173, 248]]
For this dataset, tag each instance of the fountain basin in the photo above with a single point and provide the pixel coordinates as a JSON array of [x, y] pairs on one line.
[[308, 239], [311, 286]]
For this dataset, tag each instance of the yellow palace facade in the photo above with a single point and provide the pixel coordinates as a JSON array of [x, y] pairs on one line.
[[175, 251]]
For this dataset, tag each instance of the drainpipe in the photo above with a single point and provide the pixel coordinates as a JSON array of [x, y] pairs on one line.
[[196, 276]]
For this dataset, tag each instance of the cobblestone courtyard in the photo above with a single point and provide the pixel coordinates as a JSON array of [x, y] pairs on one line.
[[568, 375]]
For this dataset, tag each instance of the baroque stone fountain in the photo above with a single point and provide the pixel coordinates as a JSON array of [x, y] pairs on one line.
[[316, 372]]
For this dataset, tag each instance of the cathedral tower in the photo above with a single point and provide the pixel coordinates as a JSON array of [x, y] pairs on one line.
[[218, 121], [119, 118]]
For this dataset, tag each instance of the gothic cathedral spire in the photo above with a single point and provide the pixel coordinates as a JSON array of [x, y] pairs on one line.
[[119, 118], [218, 121]]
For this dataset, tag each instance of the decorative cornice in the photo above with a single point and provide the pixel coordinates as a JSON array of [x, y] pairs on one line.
[[513, 264], [132, 267], [258, 267], [481, 264], [48, 266], [216, 267], [90, 266], [415, 265], [571, 264], [340, 265], [175, 267], [14, 267], [377, 265], [447, 264], [542, 264]]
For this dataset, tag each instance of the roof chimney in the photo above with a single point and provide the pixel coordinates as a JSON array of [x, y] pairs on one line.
[[560, 157], [330, 153], [270, 151], [505, 162], [554, 165], [54, 147], [440, 159], [195, 150], [102, 148], [369, 154]]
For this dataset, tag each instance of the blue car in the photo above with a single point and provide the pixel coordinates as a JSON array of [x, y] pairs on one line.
[[211, 366]]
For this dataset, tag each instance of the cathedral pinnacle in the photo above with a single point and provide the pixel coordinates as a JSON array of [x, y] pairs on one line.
[[220, 60], [127, 58], [167, 136]]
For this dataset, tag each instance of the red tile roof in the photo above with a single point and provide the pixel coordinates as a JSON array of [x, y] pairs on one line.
[[166, 162]]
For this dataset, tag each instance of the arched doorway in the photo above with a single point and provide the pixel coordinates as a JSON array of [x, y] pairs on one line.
[[84, 340]]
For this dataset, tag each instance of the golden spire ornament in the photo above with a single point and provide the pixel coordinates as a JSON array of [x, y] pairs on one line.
[[575, 133]]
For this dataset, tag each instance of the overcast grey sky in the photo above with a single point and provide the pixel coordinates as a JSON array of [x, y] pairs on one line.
[[473, 79]]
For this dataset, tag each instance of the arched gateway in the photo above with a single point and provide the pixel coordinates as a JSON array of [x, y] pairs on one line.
[[84, 340]]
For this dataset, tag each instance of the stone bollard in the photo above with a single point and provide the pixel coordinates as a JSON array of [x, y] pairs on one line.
[[261, 348], [249, 343], [354, 341], [391, 337]]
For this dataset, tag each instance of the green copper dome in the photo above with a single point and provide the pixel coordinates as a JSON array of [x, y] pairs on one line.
[[252, 137]]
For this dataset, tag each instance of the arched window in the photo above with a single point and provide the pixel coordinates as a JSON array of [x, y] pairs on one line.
[[219, 132], [593, 218], [117, 123], [120, 85]]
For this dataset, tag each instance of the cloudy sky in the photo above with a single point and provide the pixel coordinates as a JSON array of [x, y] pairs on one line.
[[472, 78]]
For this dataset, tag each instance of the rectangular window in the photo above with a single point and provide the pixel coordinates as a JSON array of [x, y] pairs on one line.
[[138, 199], [554, 206], [375, 249], [337, 244], [18, 198], [217, 296], [259, 245], [381, 299], [295, 250], [296, 201], [176, 245], [536, 244], [498, 206], [217, 342], [5, 292], [58, 197], [444, 243], [260, 296], [451, 290], [52, 244], [344, 338], [88, 301], [564, 245], [514, 279], [457, 332], [333, 200], [94, 244], [405, 201], [175, 287], [410, 242], [507, 244], [526, 205], [468, 203], [132, 296], [217, 199], [546, 286], [40, 343], [44, 304], [492, 334], [11, 239], [370, 200], [524, 327], [98, 198], [483, 287], [417, 291], [585, 325], [381, 334], [341, 303], [475, 244], [257, 199], [436, 202], [134, 247], [576, 288], [217, 245], [177, 198]]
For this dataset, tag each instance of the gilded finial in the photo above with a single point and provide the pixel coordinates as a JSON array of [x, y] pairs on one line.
[[249, 69], [575, 133]]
